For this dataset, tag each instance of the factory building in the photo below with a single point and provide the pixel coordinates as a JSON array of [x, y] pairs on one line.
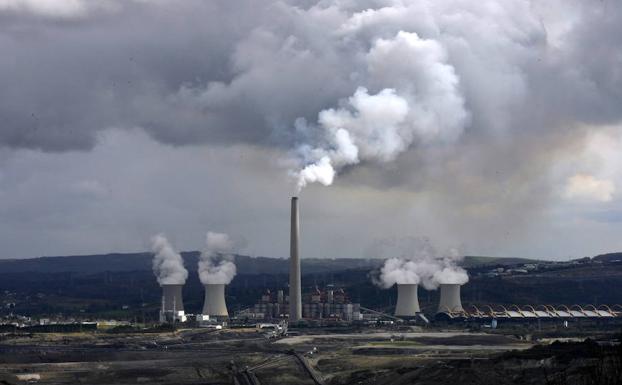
[[319, 304], [271, 306], [450, 309], [332, 304], [534, 313]]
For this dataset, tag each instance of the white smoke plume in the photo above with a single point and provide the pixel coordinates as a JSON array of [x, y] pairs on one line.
[[419, 101], [168, 266], [422, 264], [498, 94], [216, 263]]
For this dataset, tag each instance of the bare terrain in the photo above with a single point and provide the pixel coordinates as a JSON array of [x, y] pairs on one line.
[[199, 356]]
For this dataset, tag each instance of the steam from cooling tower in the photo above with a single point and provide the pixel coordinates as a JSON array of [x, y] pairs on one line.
[[168, 266], [216, 263], [422, 264], [417, 103]]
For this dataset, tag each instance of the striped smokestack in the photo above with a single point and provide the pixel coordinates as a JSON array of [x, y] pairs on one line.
[[295, 295]]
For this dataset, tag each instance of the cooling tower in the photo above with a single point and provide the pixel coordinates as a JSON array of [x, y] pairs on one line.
[[407, 300], [171, 298], [450, 298], [295, 296], [214, 304]]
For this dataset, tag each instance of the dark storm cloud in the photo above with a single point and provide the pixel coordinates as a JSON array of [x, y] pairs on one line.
[[469, 106], [65, 78], [243, 72]]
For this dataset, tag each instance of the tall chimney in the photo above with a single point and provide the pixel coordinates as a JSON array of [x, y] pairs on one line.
[[450, 298], [295, 295], [407, 300], [214, 304]]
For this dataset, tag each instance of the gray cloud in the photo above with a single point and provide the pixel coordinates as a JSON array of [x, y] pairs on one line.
[[243, 72], [129, 187], [536, 80]]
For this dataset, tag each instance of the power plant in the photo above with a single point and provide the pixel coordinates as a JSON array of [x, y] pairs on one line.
[[407, 300], [333, 304], [214, 304], [172, 304], [319, 304], [450, 298], [295, 293]]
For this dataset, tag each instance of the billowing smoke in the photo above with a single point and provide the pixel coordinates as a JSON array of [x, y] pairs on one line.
[[168, 266], [422, 264], [481, 108], [419, 101], [216, 263]]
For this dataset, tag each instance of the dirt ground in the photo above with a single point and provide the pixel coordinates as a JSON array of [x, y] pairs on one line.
[[198, 356]]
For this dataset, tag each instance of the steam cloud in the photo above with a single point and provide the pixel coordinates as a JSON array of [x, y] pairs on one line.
[[216, 264], [477, 102], [168, 266], [421, 103], [422, 265]]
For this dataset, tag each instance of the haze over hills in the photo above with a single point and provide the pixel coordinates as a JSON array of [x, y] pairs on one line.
[[245, 264]]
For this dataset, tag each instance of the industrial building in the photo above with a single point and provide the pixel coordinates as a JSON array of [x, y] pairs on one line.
[[527, 313], [450, 309], [319, 304], [271, 306], [332, 303]]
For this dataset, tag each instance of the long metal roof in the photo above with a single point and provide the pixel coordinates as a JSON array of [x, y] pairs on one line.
[[537, 312]]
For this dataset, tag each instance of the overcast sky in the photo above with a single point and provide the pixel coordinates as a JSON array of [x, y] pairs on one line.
[[493, 127]]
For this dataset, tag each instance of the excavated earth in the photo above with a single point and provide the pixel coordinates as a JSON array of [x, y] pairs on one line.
[[197, 356]]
